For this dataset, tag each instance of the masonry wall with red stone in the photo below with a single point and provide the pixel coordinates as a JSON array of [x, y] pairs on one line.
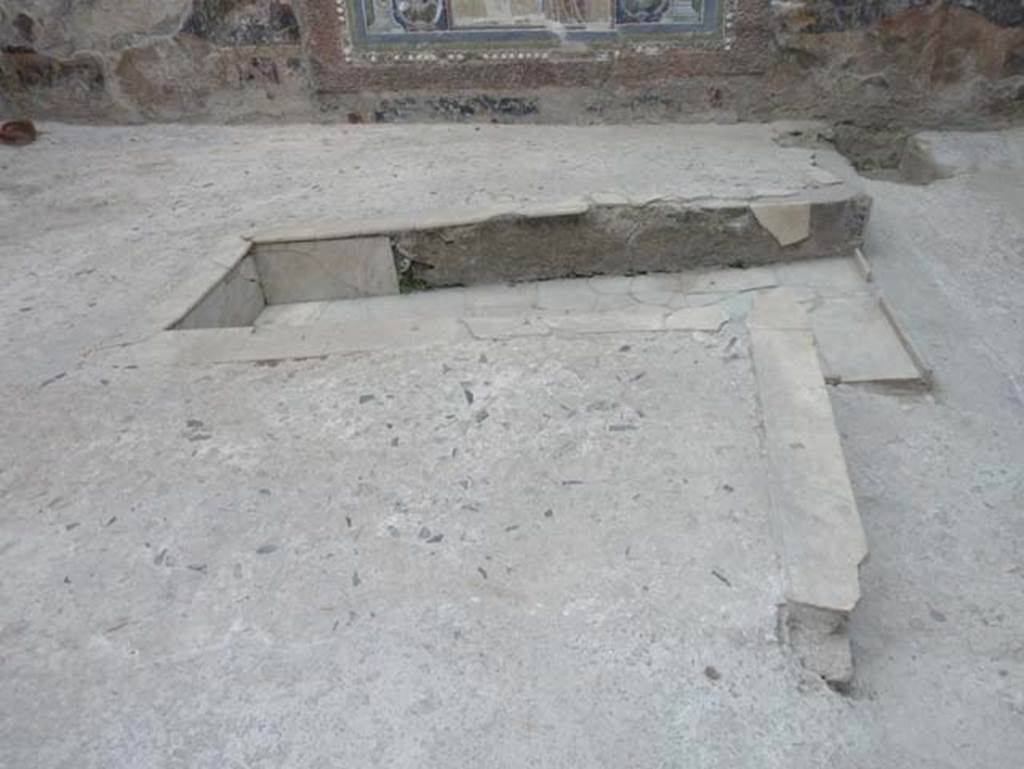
[[871, 68]]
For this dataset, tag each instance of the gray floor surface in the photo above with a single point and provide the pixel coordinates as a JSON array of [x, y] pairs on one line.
[[222, 565]]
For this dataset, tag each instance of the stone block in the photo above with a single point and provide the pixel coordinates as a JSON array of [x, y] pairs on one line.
[[818, 527], [72, 87], [235, 300], [666, 235], [243, 22], [788, 223], [326, 269], [857, 343], [821, 538]]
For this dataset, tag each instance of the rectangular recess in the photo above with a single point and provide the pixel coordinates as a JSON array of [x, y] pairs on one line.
[[299, 271], [234, 300], [315, 270], [573, 238]]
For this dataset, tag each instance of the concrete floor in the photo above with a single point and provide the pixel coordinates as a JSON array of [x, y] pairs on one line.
[[215, 566], [939, 635]]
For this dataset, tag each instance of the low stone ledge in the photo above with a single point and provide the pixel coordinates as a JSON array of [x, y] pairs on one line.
[[580, 237], [816, 520]]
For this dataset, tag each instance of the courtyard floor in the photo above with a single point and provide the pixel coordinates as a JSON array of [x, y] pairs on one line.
[[505, 549]]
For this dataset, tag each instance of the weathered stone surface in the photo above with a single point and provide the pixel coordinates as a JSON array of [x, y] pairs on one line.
[[257, 80], [933, 64], [844, 15], [819, 639], [943, 612], [75, 86], [243, 22], [163, 60], [61, 28], [606, 304], [648, 218], [658, 237], [817, 522], [235, 300], [932, 155], [857, 343], [326, 269], [874, 69], [788, 223]]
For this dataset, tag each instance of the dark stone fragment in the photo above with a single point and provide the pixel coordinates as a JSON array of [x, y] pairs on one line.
[[243, 22]]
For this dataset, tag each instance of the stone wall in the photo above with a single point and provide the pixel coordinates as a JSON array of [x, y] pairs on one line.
[[870, 67], [125, 60]]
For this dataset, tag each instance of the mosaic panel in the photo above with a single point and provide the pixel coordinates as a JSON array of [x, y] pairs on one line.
[[510, 21]]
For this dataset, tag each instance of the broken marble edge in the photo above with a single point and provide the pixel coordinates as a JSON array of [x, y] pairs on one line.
[[814, 512], [254, 344], [774, 213], [921, 379], [927, 377], [227, 254], [834, 370], [789, 223], [863, 265]]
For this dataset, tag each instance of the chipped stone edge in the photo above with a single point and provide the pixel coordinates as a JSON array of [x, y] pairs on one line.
[[924, 379], [927, 377], [340, 229], [789, 223], [819, 639], [863, 265], [813, 617], [227, 254], [254, 344]]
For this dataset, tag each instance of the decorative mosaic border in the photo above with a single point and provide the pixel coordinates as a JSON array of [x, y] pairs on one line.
[[714, 32], [739, 43]]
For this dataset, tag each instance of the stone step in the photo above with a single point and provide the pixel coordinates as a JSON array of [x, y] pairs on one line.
[[604, 234], [702, 197]]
